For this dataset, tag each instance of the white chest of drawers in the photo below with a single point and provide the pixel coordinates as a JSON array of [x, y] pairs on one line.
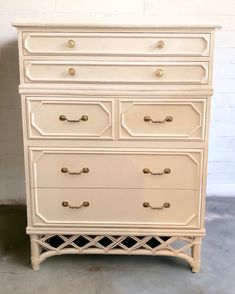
[[115, 122]]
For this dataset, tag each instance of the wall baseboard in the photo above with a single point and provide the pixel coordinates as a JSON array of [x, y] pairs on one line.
[[12, 202], [223, 190]]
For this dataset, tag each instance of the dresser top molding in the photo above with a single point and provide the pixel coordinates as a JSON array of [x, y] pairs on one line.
[[108, 26]]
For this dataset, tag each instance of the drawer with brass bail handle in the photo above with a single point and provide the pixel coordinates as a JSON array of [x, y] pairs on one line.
[[84, 204], [165, 205], [63, 117], [65, 170]]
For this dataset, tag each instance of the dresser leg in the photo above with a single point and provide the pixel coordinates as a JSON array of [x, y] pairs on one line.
[[196, 254], [35, 252]]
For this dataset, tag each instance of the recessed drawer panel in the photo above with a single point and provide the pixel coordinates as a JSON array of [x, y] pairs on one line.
[[116, 208], [116, 44], [117, 72], [116, 169], [163, 119], [69, 118]]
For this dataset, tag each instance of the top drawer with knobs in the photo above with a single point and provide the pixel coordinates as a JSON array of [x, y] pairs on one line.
[[116, 44]]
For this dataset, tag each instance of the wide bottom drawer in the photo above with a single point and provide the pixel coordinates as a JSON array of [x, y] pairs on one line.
[[116, 207]]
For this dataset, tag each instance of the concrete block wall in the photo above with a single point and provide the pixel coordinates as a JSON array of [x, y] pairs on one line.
[[221, 170]]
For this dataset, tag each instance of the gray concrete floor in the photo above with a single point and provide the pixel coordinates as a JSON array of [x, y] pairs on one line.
[[89, 274]]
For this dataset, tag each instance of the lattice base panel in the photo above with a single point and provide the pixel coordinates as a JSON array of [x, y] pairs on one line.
[[44, 246]]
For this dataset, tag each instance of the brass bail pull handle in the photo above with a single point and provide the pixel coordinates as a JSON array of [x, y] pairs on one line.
[[84, 204], [168, 118], [85, 170], [63, 117], [165, 205], [164, 172]]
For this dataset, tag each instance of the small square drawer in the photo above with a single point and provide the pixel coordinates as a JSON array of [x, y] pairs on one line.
[[116, 72], [111, 44], [116, 208], [69, 118], [162, 119]]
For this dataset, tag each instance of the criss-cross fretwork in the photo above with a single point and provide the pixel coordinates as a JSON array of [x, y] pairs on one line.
[[50, 245]]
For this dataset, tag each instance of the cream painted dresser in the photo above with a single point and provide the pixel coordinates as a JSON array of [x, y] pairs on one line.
[[115, 122]]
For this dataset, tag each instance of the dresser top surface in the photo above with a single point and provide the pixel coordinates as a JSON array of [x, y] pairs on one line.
[[113, 26]]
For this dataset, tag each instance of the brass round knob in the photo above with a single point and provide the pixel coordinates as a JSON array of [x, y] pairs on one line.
[[167, 170], [85, 204], [160, 44], [85, 170], [65, 204], [146, 170], [147, 118], [62, 117], [145, 204], [159, 73], [84, 118], [71, 71], [169, 118], [166, 205], [64, 170], [71, 43]]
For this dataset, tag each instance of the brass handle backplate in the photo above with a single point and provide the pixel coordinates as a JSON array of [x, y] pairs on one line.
[[159, 73], [82, 118], [165, 205], [168, 118], [71, 71], [71, 43], [165, 171], [65, 170], [160, 44], [66, 204]]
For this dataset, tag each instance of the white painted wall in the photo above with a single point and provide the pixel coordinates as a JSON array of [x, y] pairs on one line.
[[221, 172]]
